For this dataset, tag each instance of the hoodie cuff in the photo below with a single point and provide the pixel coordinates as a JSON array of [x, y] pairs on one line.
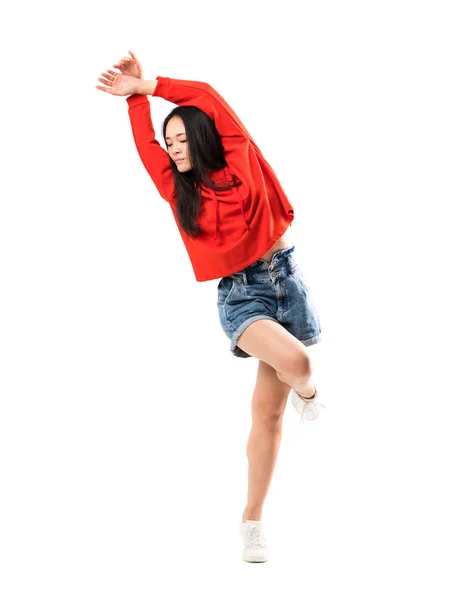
[[160, 86], [136, 99]]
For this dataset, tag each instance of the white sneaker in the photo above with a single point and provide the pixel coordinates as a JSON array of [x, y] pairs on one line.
[[255, 544], [308, 409]]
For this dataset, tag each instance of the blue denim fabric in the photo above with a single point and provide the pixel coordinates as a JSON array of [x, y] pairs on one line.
[[276, 291]]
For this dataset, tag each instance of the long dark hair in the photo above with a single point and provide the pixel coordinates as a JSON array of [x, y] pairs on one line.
[[206, 154]]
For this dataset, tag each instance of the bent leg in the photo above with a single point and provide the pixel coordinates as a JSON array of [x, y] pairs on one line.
[[271, 343]]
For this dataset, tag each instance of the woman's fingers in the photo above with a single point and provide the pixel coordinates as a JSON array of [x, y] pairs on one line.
[[109, 74], [108, 78], [104, 89]]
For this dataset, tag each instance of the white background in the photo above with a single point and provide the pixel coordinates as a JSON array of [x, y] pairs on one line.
[[124, 417]]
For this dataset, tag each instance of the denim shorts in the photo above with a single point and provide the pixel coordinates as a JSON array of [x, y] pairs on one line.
[[277, 291]]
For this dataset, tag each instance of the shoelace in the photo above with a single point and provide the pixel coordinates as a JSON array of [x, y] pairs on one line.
[[255, 537]]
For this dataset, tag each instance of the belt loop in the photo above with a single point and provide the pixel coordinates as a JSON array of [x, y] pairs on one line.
[[245, 278]]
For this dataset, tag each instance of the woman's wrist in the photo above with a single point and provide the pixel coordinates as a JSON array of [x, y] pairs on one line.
[[146, 86]]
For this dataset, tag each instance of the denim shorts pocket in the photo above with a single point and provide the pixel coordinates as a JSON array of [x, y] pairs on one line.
[[224, 289]]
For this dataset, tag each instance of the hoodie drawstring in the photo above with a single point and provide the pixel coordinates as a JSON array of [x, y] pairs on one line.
[[213, 195], [217, 211]]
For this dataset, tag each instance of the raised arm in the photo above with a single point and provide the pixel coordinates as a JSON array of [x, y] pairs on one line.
[[153, 156], [196, 93]]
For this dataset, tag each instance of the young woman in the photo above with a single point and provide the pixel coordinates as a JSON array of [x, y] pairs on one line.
[[233, 217]]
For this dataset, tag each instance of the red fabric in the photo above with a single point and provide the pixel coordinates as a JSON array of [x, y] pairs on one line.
[[239, 225]]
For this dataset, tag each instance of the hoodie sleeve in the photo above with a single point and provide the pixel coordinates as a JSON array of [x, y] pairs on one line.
[[153, 156], [202, 95]]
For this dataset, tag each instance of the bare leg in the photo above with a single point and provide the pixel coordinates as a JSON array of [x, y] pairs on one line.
[[268, 405]]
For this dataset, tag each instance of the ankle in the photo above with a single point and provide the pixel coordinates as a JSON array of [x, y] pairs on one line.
[[252, 516], [310, 398], [307, 391]]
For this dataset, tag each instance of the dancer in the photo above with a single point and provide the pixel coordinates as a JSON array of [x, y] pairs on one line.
[[233, 217]]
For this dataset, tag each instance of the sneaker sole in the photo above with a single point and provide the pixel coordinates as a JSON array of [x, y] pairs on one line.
[[255, 559]]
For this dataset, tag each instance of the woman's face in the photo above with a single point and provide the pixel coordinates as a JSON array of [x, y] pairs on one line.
[[177, 144]]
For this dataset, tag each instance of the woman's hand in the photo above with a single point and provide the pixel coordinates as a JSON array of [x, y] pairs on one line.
[[119, 84], [130, 66]]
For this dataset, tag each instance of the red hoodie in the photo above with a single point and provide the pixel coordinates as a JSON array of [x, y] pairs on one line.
[[239, 225]]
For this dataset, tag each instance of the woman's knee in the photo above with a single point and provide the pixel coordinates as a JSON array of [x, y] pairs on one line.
[[297, 369]]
